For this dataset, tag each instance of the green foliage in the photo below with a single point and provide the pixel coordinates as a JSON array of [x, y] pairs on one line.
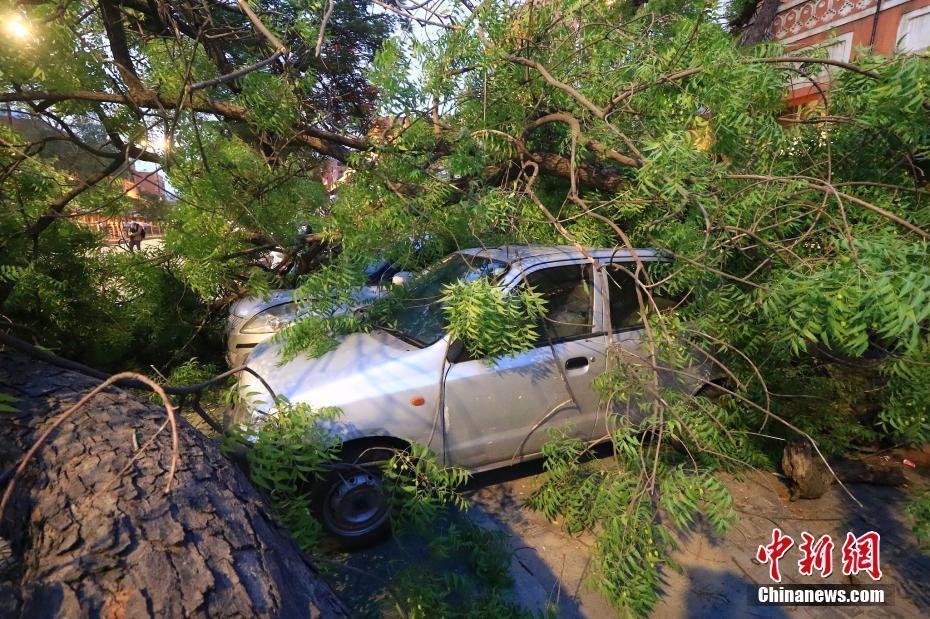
[[905, 410], [879, 289], [193, 372], [219, 213], [234, 184], [420, 488], [489, 322], [90, 302], [271, 102], [8, 403], [287, 452], [473, 584], [324, 300], [919, 510], [633, 511]]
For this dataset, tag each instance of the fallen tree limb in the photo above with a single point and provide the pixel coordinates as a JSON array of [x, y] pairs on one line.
[[151, 100], [86, 545], [37, 444], [824, 186]]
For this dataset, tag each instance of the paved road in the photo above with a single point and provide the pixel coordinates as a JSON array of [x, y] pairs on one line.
[[147, 244], [550, 567]]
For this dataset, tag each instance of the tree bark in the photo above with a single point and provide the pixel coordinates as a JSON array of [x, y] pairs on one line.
[[762, 23], [88, 542]]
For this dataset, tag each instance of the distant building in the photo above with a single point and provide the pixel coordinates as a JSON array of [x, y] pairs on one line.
[[143, 185], [145, 189], [53, 145], [842, 26]]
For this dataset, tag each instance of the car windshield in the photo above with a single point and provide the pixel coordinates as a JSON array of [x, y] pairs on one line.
[[417, 314]]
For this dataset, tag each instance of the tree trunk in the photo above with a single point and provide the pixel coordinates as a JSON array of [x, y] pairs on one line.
[[86, 542], [762, 23]]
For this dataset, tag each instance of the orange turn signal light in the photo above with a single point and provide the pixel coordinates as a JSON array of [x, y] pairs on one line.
[[417, 401]]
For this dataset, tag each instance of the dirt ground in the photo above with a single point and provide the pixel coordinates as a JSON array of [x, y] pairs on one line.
[[552, 568], [147, 244]]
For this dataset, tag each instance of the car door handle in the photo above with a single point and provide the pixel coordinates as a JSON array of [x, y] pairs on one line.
[[576, 363]]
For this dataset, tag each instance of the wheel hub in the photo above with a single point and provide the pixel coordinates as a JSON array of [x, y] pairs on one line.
[[356, 504]]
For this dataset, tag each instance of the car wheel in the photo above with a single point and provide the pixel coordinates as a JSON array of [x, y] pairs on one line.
[[350, 501]]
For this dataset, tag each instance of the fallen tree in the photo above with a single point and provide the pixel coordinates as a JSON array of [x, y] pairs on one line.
[[87, 540]]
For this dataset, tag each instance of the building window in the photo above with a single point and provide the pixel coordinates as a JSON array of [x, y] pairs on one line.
[[914, 30]]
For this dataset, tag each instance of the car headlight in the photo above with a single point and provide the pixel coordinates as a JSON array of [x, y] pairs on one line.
[[271, 320]]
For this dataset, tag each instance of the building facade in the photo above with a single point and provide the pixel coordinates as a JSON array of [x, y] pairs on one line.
[[843, 26], [145, 189]]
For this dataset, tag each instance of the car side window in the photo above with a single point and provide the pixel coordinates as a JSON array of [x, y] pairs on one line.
[[624, 303], [568, 293]]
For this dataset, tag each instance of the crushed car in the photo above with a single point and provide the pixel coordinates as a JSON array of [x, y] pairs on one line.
[[485, 414]]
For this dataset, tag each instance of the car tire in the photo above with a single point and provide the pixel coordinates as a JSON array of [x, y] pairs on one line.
[[349, 500]]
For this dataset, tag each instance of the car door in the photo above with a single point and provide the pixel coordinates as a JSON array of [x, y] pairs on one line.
[[629, 345], [502, 411]]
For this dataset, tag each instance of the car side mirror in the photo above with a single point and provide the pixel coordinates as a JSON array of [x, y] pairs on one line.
[[457, 353], [401, 278]]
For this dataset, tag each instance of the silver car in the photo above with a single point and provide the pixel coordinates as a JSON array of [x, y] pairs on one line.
[[492, 414]]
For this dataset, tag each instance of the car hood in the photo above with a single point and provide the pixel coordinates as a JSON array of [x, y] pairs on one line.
[[363, 366], [249, 306]]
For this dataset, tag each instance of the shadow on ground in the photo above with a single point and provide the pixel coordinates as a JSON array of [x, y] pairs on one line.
[[902, 562], [718, 577], [364, 580]]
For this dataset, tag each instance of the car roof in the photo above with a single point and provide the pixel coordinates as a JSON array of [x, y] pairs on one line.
[[528, 255]]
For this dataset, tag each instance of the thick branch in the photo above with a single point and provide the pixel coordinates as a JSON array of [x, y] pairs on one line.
[[324, 142], [275, 43], [233, 75], [581, 99], [121, 547], [326, 16], [577, 96], [113, 24], [572, 122], [762, 20], [557, 165]]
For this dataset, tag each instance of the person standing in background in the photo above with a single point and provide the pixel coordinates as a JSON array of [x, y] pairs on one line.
[[136, 235]]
